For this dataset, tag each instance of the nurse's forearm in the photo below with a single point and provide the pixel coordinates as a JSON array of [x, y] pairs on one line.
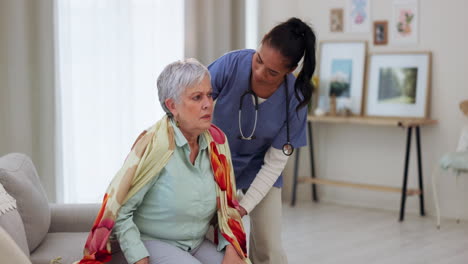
[[274, 163]]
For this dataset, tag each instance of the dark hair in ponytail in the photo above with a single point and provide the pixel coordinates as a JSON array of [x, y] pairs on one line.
[[295, 39]]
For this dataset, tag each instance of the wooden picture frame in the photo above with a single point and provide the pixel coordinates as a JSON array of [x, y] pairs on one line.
[[404, 27], [341, 72], [336, 20], [380, 32], [398, 85]]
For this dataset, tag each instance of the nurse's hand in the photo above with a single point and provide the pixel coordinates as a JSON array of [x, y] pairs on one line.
[[242, 211], [231, 256]]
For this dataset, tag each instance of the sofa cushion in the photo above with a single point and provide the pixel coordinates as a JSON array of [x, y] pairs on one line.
[[10, 251], [19, 177], [68, 246]]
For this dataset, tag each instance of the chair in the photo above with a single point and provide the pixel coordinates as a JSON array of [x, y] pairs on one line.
[[44, 232], [455, 162]]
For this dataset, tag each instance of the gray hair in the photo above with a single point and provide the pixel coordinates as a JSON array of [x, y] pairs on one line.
[[178, 76]]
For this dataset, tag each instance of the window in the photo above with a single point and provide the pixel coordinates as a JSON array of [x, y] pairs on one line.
[[109, 54], [251, 24]]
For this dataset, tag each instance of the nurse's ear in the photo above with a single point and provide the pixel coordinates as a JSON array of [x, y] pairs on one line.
[[171, 105], [292, 69]]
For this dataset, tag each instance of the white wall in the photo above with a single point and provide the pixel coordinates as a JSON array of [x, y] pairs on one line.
[[272, 12], [375, 155]]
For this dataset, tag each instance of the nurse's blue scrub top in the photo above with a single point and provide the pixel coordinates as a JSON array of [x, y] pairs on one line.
[[230, 78]]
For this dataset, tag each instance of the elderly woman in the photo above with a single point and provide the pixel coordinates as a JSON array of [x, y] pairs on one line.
[[177, 180]]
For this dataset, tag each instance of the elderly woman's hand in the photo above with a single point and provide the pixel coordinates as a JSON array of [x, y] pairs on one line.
[[231, 256]]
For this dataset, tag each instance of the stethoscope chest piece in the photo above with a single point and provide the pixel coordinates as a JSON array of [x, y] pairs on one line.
[[288, 149]]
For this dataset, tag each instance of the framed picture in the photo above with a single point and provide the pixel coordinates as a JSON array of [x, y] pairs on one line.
[[336, 20], [404, 25], [398, 85], [358, 15], [380, 33], [341, 73]]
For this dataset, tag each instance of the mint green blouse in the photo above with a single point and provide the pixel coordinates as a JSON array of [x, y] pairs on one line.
[[176, 207]]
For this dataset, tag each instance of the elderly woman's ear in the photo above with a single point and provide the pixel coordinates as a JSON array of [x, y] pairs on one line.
[[170, 104]]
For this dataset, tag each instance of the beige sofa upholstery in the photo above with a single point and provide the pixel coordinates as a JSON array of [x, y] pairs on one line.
[[41, 230], [10, 251]]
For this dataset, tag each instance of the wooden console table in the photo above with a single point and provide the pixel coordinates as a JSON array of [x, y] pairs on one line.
[[379, 121]]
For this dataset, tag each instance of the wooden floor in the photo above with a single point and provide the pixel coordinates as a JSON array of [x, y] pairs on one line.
[[327, 233]]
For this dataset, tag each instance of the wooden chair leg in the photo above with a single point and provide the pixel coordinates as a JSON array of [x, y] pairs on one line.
[[434, 189], [459, 192]]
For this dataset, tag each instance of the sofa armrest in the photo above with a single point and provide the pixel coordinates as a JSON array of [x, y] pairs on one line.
[[72, 217]]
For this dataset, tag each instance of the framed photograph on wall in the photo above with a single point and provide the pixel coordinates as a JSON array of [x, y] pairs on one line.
[[404, 26], [358, 16], [336, 20], [398, 85], [380, 32], [341, 73]]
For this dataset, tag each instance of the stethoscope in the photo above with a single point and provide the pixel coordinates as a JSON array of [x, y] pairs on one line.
[[288, 148]]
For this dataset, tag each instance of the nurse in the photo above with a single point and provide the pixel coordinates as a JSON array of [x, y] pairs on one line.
[[262, 109]]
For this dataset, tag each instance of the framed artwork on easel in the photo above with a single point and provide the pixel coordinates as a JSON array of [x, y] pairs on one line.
[[398, 85], [341, 74]]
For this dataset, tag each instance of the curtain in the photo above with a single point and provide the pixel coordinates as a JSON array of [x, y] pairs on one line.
[[110, 53], [214, 27], [27, 100]]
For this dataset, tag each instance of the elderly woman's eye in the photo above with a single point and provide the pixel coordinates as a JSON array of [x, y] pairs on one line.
[[210, 95], [196, 97]]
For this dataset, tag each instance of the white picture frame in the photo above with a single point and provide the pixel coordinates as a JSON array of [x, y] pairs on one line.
[[342, 61], [358, 13], [398, 85], [404, 27]]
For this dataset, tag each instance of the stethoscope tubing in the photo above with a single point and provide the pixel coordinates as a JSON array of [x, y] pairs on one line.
[[288, 149]]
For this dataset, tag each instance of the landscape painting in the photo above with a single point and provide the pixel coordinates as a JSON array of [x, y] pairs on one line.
[[340, 82], [397, 85]]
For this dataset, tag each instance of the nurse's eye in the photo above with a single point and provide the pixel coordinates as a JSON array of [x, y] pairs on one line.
[[273, 73]]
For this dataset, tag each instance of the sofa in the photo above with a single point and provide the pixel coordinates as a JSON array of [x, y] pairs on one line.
[[45, 232], [10, 251]]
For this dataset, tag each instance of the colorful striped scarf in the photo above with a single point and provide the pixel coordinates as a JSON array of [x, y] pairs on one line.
[[150, 153]]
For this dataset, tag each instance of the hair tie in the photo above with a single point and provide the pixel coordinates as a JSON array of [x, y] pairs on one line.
[[298, 32]]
